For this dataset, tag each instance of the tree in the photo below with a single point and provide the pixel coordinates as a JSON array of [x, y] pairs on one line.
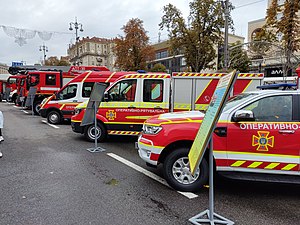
[[238, 58], [133, 50], [54, 61], [286, 27], [158, 67], [197, 39]]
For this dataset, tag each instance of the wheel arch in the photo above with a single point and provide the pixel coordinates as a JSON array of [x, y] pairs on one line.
[[179, 144]]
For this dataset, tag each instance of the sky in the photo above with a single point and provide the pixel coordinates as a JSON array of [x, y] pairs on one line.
[[100, 18]]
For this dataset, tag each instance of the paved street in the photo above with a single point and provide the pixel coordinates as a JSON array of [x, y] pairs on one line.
[[48, 177]]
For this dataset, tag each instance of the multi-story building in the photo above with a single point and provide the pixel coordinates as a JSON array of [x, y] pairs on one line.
[[177, 62], [271, 63], [3, 68], [92, 52]]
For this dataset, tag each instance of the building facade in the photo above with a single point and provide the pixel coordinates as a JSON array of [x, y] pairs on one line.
[[271, 64], [3, 68], [177, 63], [92, 52]]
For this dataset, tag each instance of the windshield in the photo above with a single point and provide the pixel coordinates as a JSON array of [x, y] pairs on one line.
[[237, 100]]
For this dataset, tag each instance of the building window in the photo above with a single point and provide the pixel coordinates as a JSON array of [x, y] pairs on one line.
[[50, 79]]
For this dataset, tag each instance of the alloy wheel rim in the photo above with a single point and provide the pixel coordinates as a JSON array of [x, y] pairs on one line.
[[181, 171]]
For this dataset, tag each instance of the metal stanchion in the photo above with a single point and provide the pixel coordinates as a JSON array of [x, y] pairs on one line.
[[209, 216], [96, 148]]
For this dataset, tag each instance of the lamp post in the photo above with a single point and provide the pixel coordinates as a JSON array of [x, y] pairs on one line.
[[44, 48], [76, 26], [225, 5]]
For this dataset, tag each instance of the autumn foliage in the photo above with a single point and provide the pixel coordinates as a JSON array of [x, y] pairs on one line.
[[133, 50]]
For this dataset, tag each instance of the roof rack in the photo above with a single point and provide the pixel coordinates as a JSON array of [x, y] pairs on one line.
[[280, 86]]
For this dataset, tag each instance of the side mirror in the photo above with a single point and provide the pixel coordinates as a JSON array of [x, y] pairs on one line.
[[243, 115], [106, 96]]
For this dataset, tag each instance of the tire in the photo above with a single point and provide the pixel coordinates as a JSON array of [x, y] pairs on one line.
[[177, 172], [54, 117], [89, 132], [36, 107]]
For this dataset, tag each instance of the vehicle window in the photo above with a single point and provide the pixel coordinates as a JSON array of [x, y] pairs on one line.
[[50, 79], [68, 92], [153, 91], [33, 79], [234, 101], [88, 87], [123, 91], [12, 80], [272, 109]]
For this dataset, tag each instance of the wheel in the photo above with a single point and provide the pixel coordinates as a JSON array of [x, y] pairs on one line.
[[54, 117], [36, 107], [89, 132], [177, 171]]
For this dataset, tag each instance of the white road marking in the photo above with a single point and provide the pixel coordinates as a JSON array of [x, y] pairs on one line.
[[16, 106], [25, 111], [51, 125], [149, 174]]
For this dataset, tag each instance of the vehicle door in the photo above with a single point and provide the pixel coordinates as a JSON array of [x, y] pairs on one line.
[[270, 144], [66, 99], [121, 108], [154, 100]]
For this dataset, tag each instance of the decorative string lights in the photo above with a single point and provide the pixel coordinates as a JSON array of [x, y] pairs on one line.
[[22, 35]]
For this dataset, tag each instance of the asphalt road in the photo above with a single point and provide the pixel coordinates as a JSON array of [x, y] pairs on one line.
[[48, 177]]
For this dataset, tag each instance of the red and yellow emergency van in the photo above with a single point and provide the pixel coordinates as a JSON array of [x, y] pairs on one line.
[[60, 106], [135, 97], [256, 138]]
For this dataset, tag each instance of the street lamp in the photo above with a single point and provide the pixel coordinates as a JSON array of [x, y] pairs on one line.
[[225, 5], [76, 26], [44, 48]]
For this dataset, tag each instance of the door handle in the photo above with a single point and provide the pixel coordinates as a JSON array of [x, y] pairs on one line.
[[157, 107], [286, 131], [74, 100], [131, 107]]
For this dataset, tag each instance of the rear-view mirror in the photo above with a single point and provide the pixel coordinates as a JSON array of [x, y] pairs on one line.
[[243, 115]]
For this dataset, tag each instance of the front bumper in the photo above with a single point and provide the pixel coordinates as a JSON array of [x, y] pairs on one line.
[[147, 151], [43, 113], [76, 127]]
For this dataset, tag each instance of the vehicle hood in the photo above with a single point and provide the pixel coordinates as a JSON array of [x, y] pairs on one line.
[[82, 105], [177, 117]]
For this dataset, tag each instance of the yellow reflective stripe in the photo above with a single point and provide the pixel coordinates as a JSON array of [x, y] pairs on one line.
[[86, 76], [62, 107], [247, 86], [238, 163], [123, 132], [272, 166], [289, 167], [254, 164], [203, 90], [110, 77]]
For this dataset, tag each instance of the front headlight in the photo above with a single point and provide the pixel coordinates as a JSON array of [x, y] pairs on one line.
[[44, 101], [151, 129], [77, 110]]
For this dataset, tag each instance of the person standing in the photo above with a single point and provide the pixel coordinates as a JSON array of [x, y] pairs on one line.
[[1, 127]]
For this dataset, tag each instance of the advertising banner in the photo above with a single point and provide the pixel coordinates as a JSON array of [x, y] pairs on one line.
[[210, 119]]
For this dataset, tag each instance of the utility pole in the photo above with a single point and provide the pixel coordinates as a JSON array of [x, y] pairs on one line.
[[226, 15]]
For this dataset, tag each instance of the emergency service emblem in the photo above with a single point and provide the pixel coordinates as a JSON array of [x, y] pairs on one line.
[[263, 141], [111, 115]]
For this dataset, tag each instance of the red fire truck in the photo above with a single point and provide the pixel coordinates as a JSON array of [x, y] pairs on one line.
[[135, 97], [61, 105], [46, 81]]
